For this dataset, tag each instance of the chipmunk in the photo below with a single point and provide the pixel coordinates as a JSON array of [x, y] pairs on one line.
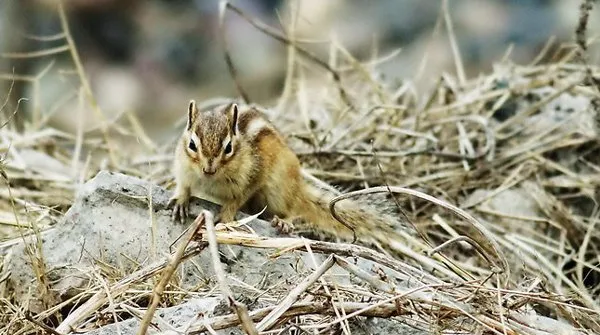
[[238, 158]]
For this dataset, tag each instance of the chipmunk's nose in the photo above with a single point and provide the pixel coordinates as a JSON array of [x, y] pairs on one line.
[[210, 170]]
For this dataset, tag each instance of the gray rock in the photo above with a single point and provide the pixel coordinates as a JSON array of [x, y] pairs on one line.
[[111, 223], [371, 326], [567, 112], [181, 316], [178, 317], [513, 202]]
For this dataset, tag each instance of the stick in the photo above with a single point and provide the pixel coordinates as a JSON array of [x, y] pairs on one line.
[[168, 272]]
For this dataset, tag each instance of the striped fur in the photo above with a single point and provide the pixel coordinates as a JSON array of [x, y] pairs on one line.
[[264, 171]]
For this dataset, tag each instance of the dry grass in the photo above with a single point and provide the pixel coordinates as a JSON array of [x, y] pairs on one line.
[[516, 275]]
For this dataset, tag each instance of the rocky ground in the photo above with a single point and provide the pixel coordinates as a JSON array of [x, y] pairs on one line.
[[119, 224]]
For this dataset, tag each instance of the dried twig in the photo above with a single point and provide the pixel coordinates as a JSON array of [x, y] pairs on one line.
[[223, 4], [77, 316], [84, 80], [166, 274], [239, 308], [283, 39], [501, 264], [293, 296]]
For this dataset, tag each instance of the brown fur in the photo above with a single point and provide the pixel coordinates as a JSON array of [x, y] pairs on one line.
[[263, 171]]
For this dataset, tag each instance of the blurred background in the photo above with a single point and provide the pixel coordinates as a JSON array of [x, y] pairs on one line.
[[150, 57]]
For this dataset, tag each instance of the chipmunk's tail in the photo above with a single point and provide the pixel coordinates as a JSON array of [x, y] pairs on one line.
[[368, 221]]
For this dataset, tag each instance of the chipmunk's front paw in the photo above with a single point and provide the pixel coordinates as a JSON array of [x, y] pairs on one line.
[[181, 208], [283, 226], [224, 218]]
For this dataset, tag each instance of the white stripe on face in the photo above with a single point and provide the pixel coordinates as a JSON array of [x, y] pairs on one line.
[[225, 142], [196, 140]]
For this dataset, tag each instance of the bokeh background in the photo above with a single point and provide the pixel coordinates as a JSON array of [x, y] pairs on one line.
[[150, 57]]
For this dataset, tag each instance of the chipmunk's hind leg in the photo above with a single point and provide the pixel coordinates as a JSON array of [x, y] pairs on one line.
[[287, 225], [283, 226], [297, 225]]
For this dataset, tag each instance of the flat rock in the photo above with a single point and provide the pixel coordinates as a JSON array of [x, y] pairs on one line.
[[124, 222], [512, 202], [176, 317], [179, 318]]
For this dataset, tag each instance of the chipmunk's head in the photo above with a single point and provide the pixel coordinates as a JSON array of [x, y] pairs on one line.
[[212, 137]]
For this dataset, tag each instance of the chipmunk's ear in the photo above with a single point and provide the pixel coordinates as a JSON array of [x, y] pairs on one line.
[[192, 114], [232, 112]]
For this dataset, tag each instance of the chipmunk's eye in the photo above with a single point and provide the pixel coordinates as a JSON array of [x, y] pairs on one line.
[[228, 148], [192, 146]]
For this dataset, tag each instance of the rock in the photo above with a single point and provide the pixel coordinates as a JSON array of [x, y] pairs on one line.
[[514, 202], [44, 164], [107, 234], [566, 112], [110, 223], [177, 317], [384, 326], [508, 205]]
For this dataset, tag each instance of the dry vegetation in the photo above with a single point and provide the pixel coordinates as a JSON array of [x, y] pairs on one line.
[[534, 275]]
